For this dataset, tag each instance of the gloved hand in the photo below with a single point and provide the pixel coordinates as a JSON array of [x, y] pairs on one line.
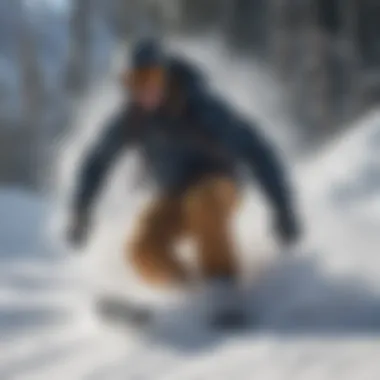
[[287, 228], [78, 230]]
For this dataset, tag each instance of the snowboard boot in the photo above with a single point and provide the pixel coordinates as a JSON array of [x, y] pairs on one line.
[[225, 306]]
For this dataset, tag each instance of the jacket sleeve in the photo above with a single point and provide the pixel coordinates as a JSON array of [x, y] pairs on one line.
[[262, 159], [97, 162], [246, 143]]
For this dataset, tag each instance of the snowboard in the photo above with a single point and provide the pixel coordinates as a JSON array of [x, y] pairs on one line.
[[120, 311]]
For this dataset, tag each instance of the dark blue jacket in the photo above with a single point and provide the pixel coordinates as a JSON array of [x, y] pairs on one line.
[[198, 136]]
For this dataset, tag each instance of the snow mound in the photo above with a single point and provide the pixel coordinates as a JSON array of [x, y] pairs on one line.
[[340, 197]]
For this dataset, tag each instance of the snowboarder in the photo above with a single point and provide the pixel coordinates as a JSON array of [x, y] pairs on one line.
[[193, 144]]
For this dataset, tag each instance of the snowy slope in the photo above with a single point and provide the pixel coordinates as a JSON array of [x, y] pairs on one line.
[[319, 310]]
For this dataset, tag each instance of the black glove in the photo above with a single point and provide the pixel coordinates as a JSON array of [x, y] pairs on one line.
[[287, 228], [78, 230]]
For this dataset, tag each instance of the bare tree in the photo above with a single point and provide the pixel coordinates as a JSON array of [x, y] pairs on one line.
[[122, 16], [353, 98], [280, 37], [80, 40], [28, 139]]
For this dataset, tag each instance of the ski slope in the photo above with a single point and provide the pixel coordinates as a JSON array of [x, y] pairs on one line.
[[318, 305]]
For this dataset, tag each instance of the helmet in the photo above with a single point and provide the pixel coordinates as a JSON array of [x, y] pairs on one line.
[[147, 65]]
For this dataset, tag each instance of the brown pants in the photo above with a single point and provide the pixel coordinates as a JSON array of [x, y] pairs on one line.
[[203, 212]]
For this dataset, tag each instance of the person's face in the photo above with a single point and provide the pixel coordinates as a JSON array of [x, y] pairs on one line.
[[147, 87]]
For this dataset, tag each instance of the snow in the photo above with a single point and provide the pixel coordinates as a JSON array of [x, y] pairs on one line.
[[318, 306], [21, 223]]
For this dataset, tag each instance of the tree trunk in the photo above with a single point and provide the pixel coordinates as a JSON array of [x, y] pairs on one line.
[[353, 97], [312, 96], [280, 38], [80, 42], [30, 150]]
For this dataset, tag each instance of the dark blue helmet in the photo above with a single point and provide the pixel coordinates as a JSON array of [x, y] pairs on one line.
[[147, 53]]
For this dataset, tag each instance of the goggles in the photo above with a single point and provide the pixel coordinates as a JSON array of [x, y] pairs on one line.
[[141, 78]]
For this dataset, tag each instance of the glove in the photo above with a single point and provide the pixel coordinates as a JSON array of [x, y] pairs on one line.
[[287, 228], [78, 230]]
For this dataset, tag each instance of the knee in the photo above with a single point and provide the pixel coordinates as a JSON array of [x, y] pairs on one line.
[[141, 255], [153, 263], [226, 194], [140, 249]]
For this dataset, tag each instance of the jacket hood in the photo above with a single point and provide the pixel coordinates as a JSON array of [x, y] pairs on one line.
[[187, 75]]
